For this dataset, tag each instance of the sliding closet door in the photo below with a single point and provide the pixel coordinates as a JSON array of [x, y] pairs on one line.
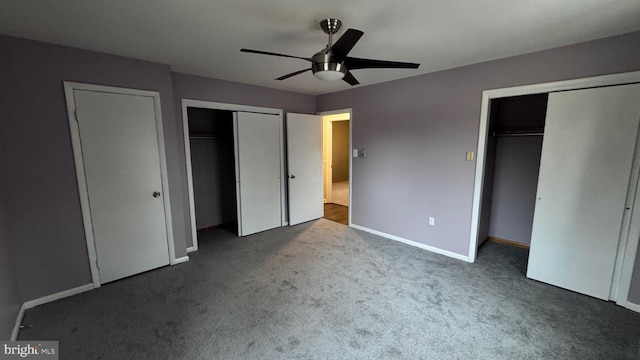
[[258, 171], [588, 148]]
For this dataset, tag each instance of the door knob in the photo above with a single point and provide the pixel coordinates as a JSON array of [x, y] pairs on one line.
[[156, 193], [292, 176]]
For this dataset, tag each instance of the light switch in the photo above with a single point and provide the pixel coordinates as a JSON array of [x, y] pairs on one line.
[[469, 155], [362, 153], [355, 153]]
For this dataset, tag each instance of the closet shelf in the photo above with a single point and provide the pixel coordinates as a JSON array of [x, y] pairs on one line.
[[202, 136], [523, 132]]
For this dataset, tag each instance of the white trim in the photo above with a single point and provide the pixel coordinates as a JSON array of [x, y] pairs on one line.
[[627, 252], [82, 183], [236, 157], [227, 106], [187, 103], [69, 88], [350, 112], [615, 292], [181, 260], [412, 243], [44, 300], [631, 306], [57, 296], [479, 176], [628, 255], [164, 176], [187, 156], [284, 208], [16, 326]]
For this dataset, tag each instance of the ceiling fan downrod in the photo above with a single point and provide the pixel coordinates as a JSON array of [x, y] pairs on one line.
[[330, 26]]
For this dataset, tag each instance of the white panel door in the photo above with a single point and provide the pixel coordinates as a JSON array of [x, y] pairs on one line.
[[258, 175], [588, 147], [122, 168], [304, 154]]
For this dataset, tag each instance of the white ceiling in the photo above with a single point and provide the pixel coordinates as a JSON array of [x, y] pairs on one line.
[[203, 37]]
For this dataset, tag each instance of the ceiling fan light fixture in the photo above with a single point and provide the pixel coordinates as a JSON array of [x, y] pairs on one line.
[[326, 69], [329, 75]]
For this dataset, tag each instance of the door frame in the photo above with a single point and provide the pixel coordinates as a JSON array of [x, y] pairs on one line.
[[187, 103], [69, 88], [327, 157], [629, 238]]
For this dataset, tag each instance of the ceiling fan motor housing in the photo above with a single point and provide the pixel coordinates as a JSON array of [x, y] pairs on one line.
[[325, 62]]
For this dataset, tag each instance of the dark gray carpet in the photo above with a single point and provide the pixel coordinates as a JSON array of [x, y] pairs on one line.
[[324, 291]]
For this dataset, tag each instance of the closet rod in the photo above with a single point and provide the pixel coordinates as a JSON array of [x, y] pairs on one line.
[[518, 134], [202, 137]]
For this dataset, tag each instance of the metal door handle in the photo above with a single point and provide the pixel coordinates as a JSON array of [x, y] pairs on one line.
[[156, 194], [292, 176]]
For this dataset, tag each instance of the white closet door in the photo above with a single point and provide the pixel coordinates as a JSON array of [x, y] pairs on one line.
[[587, 154], [258, 175], [122, 168], [304, 160]]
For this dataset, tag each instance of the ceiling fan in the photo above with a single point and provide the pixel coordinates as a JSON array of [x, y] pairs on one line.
[[332, 62]]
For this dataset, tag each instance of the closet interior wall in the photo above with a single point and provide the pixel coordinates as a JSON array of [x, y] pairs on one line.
[[513, 163], [211, 141]]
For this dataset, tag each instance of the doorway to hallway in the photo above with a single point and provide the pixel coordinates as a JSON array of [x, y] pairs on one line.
[[337, 165]]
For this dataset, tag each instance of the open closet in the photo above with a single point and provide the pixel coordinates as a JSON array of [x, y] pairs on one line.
[[514, 146], [213, 168], [583, 232], [235, 167]]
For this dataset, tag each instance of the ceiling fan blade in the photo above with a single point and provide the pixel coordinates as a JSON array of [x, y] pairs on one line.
[[292, 74], [350, 79], [274, 54], [347, 41], [356, 63]]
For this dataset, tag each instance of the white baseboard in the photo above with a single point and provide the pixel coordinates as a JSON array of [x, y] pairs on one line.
[[631, 306], [191, 249], [16, 327], [43, 300], [180, 260], [57, 296], [413, 243]]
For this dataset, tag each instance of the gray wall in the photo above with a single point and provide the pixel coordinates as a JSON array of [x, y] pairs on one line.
[[200, 88], [40, 192], [422, 126], [340, 151], [515, 183]]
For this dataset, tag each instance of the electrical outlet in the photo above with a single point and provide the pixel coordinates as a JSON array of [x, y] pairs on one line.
[[432, 221]]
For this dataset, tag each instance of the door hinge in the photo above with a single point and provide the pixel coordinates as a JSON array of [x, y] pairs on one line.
[[75, 114], [97, 264]]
